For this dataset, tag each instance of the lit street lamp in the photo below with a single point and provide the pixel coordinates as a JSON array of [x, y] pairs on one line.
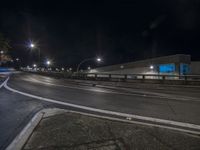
[[89, 68], [151, 67], [32, 45], [34, 65], [48, 62], [98, 59]]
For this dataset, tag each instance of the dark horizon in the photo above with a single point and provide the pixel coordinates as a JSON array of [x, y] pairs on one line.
[[118, 31]]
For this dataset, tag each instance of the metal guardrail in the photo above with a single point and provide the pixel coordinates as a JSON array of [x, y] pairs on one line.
[[120, 77], [139, 76]]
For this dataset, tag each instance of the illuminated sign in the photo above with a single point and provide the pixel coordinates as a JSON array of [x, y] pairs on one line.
[[167, 68], [184, 69]]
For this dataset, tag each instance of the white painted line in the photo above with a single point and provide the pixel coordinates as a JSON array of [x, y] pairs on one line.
[[2, 84], [22, 137], [55, 111], [137, 122], [151, 119]]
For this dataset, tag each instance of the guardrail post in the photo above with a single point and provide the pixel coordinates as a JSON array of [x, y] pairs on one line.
[[143, 77], [109, 76], [163, 77], [125, 76], [185, 78]]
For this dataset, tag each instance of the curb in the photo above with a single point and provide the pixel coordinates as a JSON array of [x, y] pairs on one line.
[[23, 136], [20, 140]]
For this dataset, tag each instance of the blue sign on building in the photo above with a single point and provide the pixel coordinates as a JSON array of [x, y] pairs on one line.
[[167, 68], [184, 69]]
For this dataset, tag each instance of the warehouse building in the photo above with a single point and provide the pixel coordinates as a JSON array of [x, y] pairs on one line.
[[179, 64]]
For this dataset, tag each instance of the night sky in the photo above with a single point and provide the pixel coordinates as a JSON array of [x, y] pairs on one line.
[[118, 31]]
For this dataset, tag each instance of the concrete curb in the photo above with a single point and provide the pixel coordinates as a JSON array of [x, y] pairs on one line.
[[23, 136]]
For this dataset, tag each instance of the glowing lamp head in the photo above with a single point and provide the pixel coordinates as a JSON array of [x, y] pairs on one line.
[[151, 67], [32, 45], [34, 65], [98, 59], [48, 62]]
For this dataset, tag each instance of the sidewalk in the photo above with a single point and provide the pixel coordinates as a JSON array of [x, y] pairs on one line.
[[73, 131]]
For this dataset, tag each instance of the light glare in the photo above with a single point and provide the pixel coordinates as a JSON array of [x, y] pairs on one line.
[[99, 59]]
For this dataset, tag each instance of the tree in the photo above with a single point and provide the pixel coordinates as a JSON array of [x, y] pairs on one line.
[[4, 47]]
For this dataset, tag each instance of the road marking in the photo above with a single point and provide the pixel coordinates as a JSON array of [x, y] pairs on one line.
[[137, 122], [119, 114], [2, 84]]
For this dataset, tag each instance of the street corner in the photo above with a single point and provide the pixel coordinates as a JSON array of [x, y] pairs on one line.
[[63, 129]]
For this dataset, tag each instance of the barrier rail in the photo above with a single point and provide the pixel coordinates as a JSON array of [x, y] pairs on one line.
[[127, 77]]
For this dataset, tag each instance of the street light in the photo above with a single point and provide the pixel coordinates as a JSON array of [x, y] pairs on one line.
[[89, 68], [98, 59], [151, 67], [48, 62], [2, 52], [32, 45], [34, 65]]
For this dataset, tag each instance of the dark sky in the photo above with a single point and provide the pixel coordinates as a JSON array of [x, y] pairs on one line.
[[118, 31]]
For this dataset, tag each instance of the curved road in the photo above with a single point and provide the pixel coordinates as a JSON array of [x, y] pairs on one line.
[[169, 103]]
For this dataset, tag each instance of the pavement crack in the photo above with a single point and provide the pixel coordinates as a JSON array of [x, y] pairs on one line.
[[173, 111]]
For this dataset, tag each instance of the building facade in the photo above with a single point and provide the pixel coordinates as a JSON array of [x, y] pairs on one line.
[[179, 64]]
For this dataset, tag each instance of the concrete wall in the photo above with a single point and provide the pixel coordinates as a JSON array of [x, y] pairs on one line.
[[195, 67]]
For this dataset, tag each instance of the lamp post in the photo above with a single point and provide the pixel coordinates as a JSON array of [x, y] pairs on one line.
[[98, 59], [32, 46]]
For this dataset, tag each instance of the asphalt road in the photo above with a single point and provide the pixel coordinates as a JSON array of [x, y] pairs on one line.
[[176, 104]]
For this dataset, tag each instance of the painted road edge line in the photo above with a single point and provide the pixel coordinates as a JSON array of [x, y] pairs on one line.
[[2, 84], [22, 137], [155, 120], [53, 111]]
